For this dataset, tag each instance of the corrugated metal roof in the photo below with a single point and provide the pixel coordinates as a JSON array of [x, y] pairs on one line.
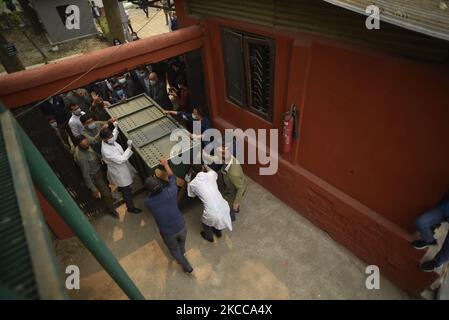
[[430, 17], [324, 18]]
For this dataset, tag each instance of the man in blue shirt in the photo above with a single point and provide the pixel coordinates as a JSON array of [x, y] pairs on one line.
[[196, 115], [163, 204], [426, 224]]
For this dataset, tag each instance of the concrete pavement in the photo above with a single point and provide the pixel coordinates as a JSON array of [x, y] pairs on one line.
[[272, 253]]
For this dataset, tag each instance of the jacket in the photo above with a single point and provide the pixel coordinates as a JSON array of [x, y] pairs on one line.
[[237, 178], [158, 93], [89, 164]]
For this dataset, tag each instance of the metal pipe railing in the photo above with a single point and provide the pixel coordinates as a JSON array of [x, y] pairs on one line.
[[55, 192]]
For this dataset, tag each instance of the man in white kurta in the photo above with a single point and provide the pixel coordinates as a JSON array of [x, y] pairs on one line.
[[216, 209], [120, 171]]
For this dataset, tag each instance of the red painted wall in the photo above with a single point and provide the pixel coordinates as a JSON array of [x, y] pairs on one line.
[[383, 125], [60, 229], [373, 151]]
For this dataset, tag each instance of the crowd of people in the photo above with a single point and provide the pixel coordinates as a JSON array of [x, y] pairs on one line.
[[80, 119], [165, 82]]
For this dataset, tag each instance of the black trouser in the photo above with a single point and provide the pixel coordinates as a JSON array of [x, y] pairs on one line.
[[145, 9], [176, 244], [101, 183], [209, 231], [127, 193]]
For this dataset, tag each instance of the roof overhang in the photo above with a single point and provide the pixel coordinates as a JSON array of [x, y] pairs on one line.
[[430, 17], [27, 86]]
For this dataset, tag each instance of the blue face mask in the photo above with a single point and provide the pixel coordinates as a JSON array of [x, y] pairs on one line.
[[92, 126], [110, 141], [120, 93]]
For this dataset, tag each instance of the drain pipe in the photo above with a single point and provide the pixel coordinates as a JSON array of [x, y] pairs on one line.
[[55, 192]]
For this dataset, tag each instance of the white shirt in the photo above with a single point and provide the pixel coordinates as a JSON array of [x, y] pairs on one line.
[[120, 171], [75, 124], [216, 212]]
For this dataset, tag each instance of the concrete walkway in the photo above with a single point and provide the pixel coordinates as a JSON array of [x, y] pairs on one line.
[[153, 25], [273, 253]]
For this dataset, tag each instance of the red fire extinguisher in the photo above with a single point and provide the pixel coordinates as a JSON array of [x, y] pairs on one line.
[[288, 129]]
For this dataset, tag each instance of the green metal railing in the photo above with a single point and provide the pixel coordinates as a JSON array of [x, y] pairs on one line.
[[55, 192], [27, 263]]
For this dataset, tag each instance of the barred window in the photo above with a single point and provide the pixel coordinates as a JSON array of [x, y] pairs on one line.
[[249, 71]]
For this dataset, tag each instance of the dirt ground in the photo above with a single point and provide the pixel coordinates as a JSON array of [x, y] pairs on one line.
[[30, 56]]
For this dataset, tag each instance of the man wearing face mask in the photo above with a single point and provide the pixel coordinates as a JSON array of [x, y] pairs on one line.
[[180, 97], [54, 124], [120, 171], [158, 92], [74, 122], [196, 115], [79, 97], [119, 91], [92, 131], [93, 175], [55, 108]]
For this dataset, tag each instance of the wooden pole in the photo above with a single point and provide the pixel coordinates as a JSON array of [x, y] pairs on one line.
[[112, 11]]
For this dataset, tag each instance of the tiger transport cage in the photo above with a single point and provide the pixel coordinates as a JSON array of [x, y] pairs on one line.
[[143, 121]]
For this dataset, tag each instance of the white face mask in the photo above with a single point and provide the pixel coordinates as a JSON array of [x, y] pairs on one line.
[[152, 82], [92, 126]]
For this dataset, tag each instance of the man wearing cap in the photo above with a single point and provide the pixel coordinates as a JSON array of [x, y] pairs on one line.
[[120, 171], [162, 202]]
